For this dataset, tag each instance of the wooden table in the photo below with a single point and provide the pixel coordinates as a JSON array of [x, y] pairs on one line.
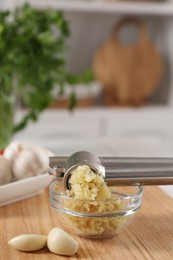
[[150, 236]]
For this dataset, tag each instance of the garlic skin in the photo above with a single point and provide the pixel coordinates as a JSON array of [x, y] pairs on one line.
[[30, 162], [61, 243], [28, 242], [6, 175]]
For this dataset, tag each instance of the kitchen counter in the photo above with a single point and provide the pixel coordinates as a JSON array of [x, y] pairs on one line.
[[148, 237]]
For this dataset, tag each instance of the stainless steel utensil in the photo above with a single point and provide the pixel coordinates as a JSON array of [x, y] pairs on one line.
[[116, 170]]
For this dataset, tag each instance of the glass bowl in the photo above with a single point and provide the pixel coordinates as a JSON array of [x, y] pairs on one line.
[[96, 218]]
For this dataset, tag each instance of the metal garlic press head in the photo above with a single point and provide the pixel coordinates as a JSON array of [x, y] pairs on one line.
[[115, 170], [62, 167]]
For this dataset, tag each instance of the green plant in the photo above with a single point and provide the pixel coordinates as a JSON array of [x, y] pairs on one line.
[[32, 64]]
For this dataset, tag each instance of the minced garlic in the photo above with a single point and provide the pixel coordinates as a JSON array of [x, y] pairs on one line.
[[87, 185], [92, 195]]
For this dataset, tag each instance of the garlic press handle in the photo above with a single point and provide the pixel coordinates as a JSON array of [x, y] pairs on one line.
[[125, 170]]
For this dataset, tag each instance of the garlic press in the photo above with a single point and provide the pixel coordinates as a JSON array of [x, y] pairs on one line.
[[123, 171]]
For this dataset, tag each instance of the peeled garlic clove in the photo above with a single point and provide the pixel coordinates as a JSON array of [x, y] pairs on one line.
[[28, 242], [61, 243]]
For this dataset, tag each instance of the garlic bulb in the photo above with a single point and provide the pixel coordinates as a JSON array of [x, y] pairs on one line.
[[30, 162], [5, 171], [12, 150]]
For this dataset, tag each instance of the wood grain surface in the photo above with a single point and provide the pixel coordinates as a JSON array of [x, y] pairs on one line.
[[150, 235]]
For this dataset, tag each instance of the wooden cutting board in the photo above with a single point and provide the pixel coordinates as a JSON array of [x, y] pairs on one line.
[[129, 73], [150, 236]]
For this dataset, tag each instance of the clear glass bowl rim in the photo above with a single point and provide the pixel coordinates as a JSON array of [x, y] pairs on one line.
[[125, 196]]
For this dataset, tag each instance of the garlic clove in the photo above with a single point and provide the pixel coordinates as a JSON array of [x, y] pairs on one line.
[[61, 243], [28, 242]]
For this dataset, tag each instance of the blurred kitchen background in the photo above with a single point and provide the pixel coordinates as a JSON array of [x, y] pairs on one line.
[[127, 110]]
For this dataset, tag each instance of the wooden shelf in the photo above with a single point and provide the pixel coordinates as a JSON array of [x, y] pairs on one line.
[[133, 8]]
